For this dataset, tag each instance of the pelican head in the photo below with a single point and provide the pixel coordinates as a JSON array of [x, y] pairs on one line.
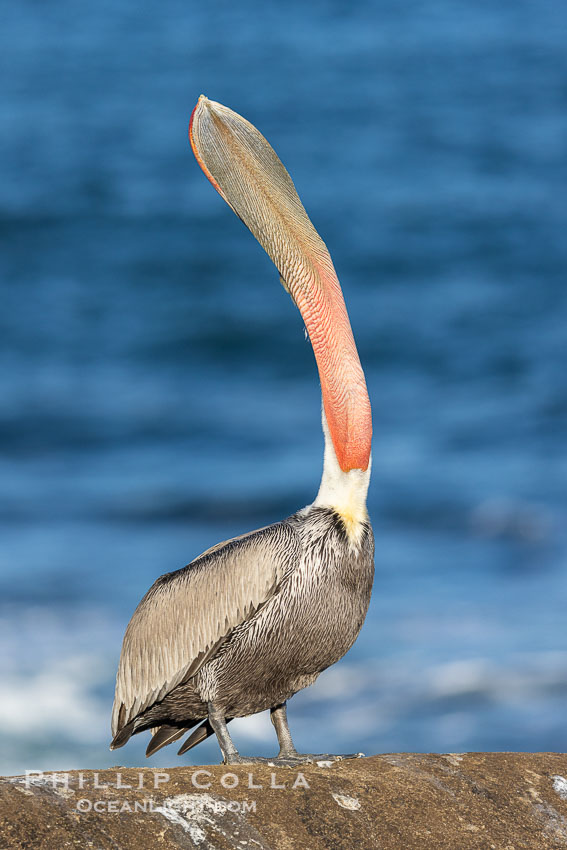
[[246, 171]]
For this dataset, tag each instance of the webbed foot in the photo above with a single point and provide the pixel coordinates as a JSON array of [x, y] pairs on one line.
[[321, 759], [291, 759], [236, 758]]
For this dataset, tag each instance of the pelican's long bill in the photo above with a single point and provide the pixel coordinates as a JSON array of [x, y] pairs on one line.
[[248, 174]]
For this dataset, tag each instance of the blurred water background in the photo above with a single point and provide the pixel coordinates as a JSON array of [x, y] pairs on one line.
[[158, 394]]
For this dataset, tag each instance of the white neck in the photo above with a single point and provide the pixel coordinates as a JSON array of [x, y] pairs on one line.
[[344, 492]]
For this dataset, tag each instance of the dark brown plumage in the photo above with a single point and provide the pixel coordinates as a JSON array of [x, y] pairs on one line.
[[307, 621]]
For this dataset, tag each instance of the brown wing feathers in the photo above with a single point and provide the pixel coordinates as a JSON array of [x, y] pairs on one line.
[[185, 616]]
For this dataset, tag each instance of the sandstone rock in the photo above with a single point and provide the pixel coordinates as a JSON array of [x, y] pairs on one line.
[[493, 801]]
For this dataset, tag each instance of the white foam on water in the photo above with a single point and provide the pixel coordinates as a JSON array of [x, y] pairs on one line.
[[58, 682]]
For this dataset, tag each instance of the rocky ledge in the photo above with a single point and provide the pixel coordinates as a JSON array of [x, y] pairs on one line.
[[505, 801]]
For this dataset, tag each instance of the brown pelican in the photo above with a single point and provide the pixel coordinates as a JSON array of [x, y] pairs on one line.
[[255, 619]]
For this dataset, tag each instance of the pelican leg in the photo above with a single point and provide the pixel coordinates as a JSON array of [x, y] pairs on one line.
[[278, 716], [218, 722], [288, 756], [230, 754]]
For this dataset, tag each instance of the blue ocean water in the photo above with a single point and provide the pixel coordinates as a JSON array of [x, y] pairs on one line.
[[158, 394]]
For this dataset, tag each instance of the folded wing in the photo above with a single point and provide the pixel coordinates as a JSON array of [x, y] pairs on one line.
[[186, 615]]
